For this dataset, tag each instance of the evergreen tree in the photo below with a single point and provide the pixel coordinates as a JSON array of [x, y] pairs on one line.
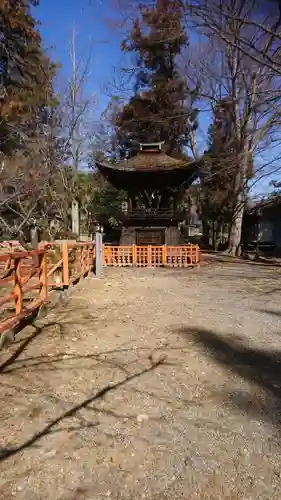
[[25, 75], [218, 181], [161, 109], [219, 174]]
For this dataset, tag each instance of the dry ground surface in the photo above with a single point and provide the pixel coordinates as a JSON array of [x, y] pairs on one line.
[[148, 384]]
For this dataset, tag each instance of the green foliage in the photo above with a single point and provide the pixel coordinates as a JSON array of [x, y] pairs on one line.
[[98, 199], [106, 201], [162, 107], [26, 75], [220, 166], [65, 235]]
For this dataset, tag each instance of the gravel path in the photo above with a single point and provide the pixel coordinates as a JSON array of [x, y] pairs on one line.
[[148, 384]]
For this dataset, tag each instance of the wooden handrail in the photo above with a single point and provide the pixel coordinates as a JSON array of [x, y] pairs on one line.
[[23, 274], [20, 255]]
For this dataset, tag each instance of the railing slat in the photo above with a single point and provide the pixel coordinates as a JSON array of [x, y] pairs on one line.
[[26, 283], [17, 287], [151, 256], [25, 276]]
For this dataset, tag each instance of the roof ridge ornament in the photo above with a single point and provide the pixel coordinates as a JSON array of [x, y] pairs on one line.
[[143, 146]]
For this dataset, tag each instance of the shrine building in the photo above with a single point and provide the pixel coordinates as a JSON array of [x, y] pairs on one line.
[[155, 184]]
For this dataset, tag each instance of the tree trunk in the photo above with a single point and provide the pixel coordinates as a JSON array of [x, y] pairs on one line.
[[235, 233], [217, 236], [234, 248], [206, 233], [34, 239]]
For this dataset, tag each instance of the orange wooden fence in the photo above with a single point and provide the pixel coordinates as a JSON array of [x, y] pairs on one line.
[[26, 278], [68, 262], [151, 256]]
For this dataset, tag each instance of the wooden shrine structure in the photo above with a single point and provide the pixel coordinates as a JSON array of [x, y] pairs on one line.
[[155, 184]]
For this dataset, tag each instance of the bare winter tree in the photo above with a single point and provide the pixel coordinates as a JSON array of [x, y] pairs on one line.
[[77, 107], [240, 62], [247, 82], [76, 114], [26, 96], [257, 16], [25, 180]]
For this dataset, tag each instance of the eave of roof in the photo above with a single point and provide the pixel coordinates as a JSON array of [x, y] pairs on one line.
[[148, 162]]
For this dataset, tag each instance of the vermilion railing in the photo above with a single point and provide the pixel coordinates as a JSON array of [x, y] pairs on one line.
[[23, 285], [68, 262], [26, 278], [151, 256]]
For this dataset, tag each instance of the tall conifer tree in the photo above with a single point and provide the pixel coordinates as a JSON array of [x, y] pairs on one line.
[[161, 109], [26, 75]]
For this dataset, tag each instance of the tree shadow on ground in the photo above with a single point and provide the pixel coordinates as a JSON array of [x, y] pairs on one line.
[[261, 369], [8, 452], [226, 259], [23, 345], [271, 312], [251, 277], [48, 363], [12, 354]]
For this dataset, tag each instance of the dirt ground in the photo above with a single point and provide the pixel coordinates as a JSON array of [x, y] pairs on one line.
[[148, 384]]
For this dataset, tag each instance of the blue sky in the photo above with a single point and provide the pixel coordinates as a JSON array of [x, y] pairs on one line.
[[95, 33], [93, 21], [94, 25]]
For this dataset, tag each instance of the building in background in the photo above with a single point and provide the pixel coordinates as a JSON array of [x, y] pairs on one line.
[[156, 184]]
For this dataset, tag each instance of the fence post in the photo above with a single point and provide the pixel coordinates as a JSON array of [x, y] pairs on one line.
[[197, 255], [149, 256], [134, 255], [88, 258], [43, 276], [65, 264], [99, 254], [17, 287], [83, 261], [164, 255]]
